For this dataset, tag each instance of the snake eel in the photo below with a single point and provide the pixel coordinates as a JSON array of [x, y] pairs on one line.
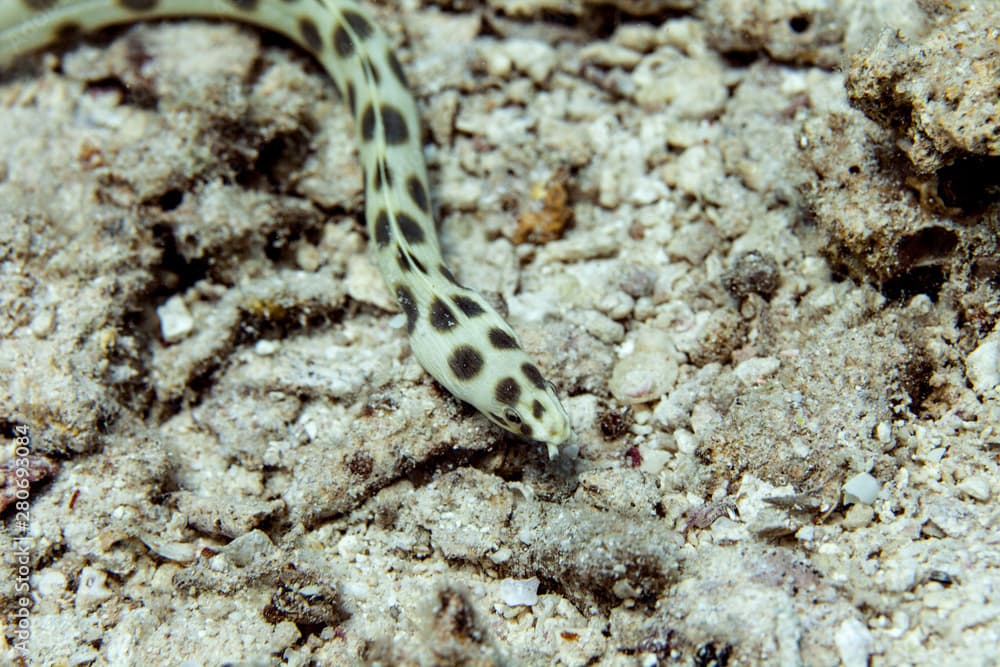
[[454, 333]]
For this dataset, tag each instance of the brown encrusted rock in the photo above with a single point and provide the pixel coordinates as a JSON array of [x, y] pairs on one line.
[[939, 95], [805, 33], [859, 197], [888, 225], [783, 29], [902, 192]]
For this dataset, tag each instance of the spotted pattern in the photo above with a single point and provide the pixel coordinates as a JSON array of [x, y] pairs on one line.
[[371, 71], [343, 42], [508, 391], [383, 176], [382, 233], [352, 98], [418, 193], [418, 265], [448, 275], [368, 123], [456, 335], [405, 265], [397, 69], [466, 362], [410, 228], [467, 305], [359, 24], [502, 340], [68, 31], [534, 375], [442, 317], [394, 125], [139, 5], [408, 303], [310, 34]]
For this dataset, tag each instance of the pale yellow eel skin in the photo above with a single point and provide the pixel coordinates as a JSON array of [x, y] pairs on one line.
[[455, 334]]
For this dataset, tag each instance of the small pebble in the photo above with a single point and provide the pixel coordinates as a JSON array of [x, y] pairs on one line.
[[862, 488], [307, 257], [642, 377], [243, 550], [501, 555], [982, 366], [533, 57], [265, 348], [43, 323], [624, 590], [752, 272], [92, 589], [519, 592], [977, 487], [176, 322], [858, 516], [610, 55], [49, 583], [756, 369], [854, 643]]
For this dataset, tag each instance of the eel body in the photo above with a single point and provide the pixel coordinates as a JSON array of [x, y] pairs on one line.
[[455, 334]]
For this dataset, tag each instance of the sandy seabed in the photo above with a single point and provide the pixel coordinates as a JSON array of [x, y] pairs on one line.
[[754, 244]]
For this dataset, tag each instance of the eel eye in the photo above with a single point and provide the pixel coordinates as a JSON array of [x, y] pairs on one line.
[[512, 417]]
